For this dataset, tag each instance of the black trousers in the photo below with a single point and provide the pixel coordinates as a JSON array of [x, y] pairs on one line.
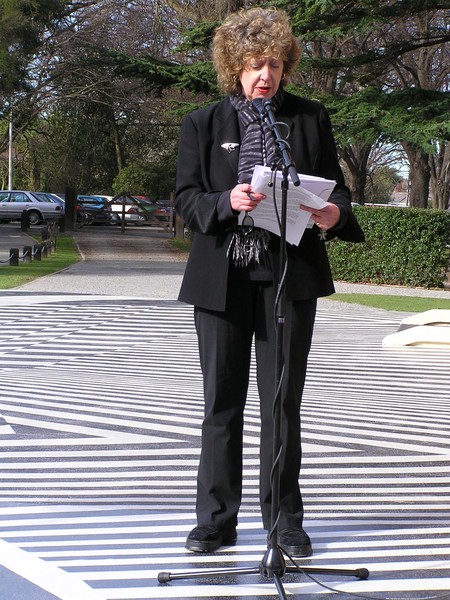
[[225, 343]]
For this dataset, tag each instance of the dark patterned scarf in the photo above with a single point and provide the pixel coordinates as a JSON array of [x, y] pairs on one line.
[[249, 244], [258, 141]]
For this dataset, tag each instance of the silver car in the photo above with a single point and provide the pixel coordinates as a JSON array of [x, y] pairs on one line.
[[39, 206]]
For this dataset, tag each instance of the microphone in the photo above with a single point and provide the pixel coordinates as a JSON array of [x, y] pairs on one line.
[[265, 110]]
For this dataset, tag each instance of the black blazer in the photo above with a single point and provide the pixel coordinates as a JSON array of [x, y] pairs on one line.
[[208, 170]]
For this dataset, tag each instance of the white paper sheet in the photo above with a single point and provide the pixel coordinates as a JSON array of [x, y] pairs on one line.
[[312, 191]]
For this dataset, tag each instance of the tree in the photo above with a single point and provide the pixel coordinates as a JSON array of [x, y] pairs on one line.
[[426, 73], [155, 179], [380, 184], [22, 25], [391, 47], [72, 147]]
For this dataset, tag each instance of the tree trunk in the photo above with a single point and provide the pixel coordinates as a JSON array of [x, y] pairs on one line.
[[440, 177], [419, 176], [117, 144], [355, 158]]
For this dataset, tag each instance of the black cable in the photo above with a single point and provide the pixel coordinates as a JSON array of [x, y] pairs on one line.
[[354, 594]]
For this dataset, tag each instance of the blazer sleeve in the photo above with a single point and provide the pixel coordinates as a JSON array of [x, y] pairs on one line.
[[202, 198]]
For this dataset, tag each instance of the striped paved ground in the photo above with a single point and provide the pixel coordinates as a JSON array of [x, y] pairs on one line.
[[100, 412]]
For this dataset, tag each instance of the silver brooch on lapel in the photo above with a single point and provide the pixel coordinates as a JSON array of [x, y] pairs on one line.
[[230, 146]]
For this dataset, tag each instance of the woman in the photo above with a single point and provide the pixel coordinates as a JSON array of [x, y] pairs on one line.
[[254, 53]]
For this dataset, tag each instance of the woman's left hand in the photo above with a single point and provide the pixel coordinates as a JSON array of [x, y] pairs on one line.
[[325, 217]]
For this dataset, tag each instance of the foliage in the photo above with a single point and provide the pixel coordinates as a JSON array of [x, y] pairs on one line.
[[197, 37], [343, 15], [404, 246], [416, 115], [133, 179], [22, 25], [75, 148], [314, 19], [155, 180], [158, 75], [356, 117], [380, 185]]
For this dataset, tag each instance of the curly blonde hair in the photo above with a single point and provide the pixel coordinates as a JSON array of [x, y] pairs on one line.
[[247, 34]]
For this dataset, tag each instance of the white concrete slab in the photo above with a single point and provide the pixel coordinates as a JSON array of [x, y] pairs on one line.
[[437, 316], [429, 336]]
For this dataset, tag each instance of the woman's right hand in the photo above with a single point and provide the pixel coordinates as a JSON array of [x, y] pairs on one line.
[[242, 197]]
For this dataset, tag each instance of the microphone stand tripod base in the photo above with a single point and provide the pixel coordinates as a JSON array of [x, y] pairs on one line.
[[272, 566], [273, 563]]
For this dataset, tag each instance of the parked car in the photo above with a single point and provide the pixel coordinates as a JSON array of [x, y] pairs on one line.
[[52, 198], [92, 200], [138, 210], [169, 208], [94, 210], [39, 207], [152, 211], [128, 206]]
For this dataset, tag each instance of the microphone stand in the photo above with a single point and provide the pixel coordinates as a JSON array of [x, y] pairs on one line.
[[273, 565]]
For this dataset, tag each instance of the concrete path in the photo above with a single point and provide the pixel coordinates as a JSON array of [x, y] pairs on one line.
[[140, 262]]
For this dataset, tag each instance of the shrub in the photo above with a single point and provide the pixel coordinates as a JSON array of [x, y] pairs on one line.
[[404, 246]]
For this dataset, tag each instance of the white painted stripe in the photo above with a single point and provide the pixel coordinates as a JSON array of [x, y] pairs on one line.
[[376, 454], [46, 575]]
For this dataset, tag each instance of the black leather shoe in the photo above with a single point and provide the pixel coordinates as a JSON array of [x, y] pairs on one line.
[[295, 542], [208, 538]]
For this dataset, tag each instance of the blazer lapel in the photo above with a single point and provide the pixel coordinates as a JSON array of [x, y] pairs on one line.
[[229, 137]]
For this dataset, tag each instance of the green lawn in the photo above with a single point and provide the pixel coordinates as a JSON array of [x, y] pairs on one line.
[[65, 254], [399, 303]]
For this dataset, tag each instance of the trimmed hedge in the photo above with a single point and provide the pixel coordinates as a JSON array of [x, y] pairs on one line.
[[404, 246]]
